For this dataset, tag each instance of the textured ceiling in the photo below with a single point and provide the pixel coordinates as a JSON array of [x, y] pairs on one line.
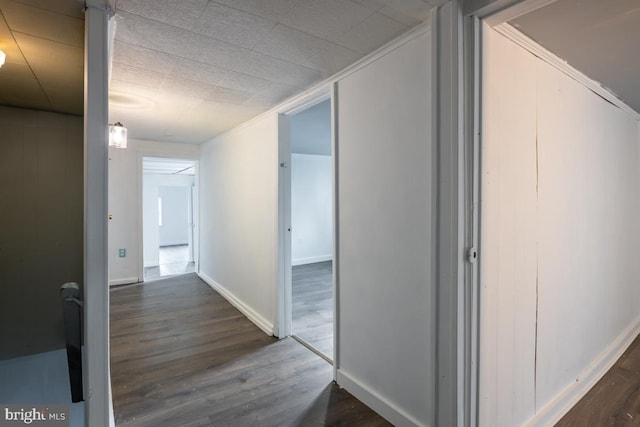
[[43, 41], [599, 38], [185, 71]]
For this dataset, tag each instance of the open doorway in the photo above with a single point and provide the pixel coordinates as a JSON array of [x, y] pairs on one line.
[[168, 221], [311, 220]]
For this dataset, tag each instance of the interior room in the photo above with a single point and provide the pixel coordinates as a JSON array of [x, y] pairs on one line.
[[473, 205], [312, 227], [168, 193]]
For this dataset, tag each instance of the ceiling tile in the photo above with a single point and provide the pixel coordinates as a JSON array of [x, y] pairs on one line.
[[372, 33], [374, 5], [183, 13], [231, 96], [274, 10], [43, 23], [20, 88], [239, 58], [8, 45], [186, 87], [271, 96], [198, 71], [137, 75], [136, 30], [596, 37], [278, 70], [141, 57], [233, 26], [304, 49], [74, 8], [166, 103], [409, 12], [131, 95], [58, 67], [240, 81], [324, 18]]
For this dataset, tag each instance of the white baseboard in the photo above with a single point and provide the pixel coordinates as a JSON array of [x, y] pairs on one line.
[[311, 260], [251, 314], [123, 281], [381, 405], [551, 413]]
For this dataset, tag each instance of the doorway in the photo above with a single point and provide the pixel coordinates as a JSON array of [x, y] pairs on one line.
[[168, 220], [311, 228]]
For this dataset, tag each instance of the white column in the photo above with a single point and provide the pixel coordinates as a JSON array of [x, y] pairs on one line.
[[96, 294]]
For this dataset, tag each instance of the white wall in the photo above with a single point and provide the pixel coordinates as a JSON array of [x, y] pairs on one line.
[[125, 201], [175, 213], [559, 281], [311, 209], [386, 307], [239, 214], [386, 290]]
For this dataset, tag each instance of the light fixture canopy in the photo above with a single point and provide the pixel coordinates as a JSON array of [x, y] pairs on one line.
[[117, 135], [3, 56]]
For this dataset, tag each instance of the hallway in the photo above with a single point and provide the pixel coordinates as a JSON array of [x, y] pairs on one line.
[[182, 355]]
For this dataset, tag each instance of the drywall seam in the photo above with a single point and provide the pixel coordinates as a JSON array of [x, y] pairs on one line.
[[378, 403], [560, 405], [245, 309], [539, 51]]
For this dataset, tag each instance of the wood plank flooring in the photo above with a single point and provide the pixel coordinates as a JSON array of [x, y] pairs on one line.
[[312, 288], [615, 399], [181, 355]]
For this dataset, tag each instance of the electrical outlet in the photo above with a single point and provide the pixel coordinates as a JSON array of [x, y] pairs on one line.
[[122, 252]]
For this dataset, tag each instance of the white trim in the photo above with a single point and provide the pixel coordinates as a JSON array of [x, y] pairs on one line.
[[336, 228], [516, 11], [312, 260], [378, 403], [123, 281], [140, 220], [284, 305], [96, 369], [534, 48], [448, 229], [563, 402], [321, 94], [296, 102], [472, 280], [249, 312]]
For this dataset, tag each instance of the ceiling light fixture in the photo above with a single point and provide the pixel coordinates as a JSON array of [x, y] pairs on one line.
[[117, 135], [3, 56]]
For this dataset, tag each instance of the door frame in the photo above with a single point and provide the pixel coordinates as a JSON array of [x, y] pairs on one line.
[[284, 295], [195, 205]]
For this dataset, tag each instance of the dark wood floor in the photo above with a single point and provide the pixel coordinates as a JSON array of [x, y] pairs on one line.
[[313, 305], [615, 399], [183, 356]]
